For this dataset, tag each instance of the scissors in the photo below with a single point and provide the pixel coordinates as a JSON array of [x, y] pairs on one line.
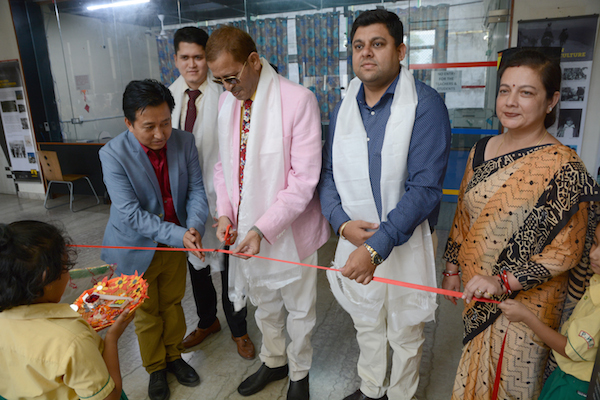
[[227, 241]]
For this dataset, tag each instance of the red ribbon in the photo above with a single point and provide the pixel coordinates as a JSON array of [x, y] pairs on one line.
[[424, 288]]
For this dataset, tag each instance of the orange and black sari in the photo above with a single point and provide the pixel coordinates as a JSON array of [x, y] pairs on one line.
[[527, 212]]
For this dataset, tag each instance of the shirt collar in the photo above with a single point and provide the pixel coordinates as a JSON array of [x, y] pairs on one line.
[[160, 154], [37, 311], [201, 88], [389, 91]]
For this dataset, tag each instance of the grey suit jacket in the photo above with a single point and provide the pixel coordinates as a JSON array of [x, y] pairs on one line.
[[137, 212]]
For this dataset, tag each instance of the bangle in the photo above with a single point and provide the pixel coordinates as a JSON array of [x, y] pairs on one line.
[[504, 279], [341, 230], [451, 273]]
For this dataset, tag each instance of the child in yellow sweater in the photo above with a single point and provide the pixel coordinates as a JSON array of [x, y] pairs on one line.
[[575, 347], [47, 351]]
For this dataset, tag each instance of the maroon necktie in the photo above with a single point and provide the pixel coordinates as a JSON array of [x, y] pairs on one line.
[[190, 116]]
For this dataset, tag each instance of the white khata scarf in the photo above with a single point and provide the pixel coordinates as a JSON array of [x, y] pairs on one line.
[[206, 142], [411, 262], [264, 178]]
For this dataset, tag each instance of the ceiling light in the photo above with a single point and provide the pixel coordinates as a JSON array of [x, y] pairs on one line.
[[117, 4]]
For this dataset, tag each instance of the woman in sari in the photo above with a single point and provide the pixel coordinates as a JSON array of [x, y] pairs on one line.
[[520, 231]]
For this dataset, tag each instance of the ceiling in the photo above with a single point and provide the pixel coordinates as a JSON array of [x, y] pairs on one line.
[[193, 10]]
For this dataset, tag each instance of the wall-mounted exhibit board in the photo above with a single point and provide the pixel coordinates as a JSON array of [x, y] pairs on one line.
[[17, 141], [576, 37]]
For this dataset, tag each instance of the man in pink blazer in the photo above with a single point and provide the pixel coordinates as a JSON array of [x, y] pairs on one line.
[[265, 180]]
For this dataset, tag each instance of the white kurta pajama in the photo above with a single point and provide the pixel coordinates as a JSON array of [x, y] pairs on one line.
[[272, 286], [383, 314]]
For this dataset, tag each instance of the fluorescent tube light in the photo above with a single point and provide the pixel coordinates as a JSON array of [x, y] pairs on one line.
[[117, 4]]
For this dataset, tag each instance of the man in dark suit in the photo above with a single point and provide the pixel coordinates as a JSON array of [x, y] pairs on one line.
[[155, 184]]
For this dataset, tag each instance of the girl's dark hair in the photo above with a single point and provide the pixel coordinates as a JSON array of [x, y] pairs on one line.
[[548, 71], [32, 255]]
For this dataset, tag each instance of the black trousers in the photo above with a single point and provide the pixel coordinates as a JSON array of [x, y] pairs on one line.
[[205, 296]]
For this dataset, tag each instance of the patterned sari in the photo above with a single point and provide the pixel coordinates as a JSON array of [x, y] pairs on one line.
[[527, 212]]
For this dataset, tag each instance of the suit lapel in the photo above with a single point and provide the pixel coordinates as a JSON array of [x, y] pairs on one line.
[[138, 154]]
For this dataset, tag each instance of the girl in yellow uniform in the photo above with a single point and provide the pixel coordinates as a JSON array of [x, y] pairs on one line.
[[47, 351], [575, 347]]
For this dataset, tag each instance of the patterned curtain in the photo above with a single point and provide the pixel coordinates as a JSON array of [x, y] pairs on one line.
[[413, 19], [270, 36], [166, 53], [318, 58]]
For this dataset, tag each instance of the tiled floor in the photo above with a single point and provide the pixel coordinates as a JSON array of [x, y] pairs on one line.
[[333, 373]]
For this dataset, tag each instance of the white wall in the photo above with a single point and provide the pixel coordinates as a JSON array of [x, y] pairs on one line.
[[110, 55], [536, 9]]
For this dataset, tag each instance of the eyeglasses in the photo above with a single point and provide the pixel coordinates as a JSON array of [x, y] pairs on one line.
[[231, 80]]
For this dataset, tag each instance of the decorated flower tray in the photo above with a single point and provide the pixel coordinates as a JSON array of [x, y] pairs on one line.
[[101, 305]]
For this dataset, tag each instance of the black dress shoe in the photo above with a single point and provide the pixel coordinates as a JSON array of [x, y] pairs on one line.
[[158, 388], [185, 374], [258, 380], [358, 395], [298, 390]]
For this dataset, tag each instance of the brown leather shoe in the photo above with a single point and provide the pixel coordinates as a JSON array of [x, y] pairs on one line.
[[198, 335], [245, 346]]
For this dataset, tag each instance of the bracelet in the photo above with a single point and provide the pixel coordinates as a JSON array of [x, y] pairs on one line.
[[451, 273], [504, 279], [342, 229], [255, 229]]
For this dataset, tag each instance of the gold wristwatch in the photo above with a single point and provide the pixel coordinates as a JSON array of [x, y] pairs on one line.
[[376, 259]]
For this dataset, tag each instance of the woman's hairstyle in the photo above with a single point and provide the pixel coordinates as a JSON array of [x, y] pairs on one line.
[[547, 70], [32, 255]]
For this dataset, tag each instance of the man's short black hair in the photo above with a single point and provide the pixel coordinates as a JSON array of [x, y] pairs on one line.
[[380, 16], [140, 94], [190, 34], [33, 254]]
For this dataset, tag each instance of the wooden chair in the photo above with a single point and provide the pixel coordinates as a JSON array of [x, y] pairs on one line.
[[53, 174]]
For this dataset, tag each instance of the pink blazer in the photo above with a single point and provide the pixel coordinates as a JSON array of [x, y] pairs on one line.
[[297, 206]]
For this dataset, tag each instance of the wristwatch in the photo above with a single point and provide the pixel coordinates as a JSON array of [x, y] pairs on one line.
[[376, 259]]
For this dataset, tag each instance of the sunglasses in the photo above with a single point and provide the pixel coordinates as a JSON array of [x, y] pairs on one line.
[[231, 80]]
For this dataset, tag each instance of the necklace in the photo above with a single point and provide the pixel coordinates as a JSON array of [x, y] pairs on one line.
[[502, 142]]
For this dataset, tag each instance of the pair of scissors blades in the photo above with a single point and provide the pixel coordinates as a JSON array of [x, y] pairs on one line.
[[227, 241]]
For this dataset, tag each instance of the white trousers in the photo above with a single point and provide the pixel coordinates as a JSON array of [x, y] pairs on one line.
[[374, 341], [299, 299]]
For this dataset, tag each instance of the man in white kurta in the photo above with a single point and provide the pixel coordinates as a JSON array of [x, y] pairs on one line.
[[196, 101], [269, 148], [391, 134]]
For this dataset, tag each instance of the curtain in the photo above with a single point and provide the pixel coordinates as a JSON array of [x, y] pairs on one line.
[[318, 58], [166, 53], [270, 36]]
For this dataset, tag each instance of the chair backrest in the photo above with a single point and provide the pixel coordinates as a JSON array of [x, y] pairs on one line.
[[104, 137], [50, 165]]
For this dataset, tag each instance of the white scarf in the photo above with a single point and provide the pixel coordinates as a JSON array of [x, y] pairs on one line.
[[264, 178], [411, 262], [204, 131]]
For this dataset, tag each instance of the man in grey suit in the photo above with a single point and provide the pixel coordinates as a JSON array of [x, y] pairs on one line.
[[155, 184]]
